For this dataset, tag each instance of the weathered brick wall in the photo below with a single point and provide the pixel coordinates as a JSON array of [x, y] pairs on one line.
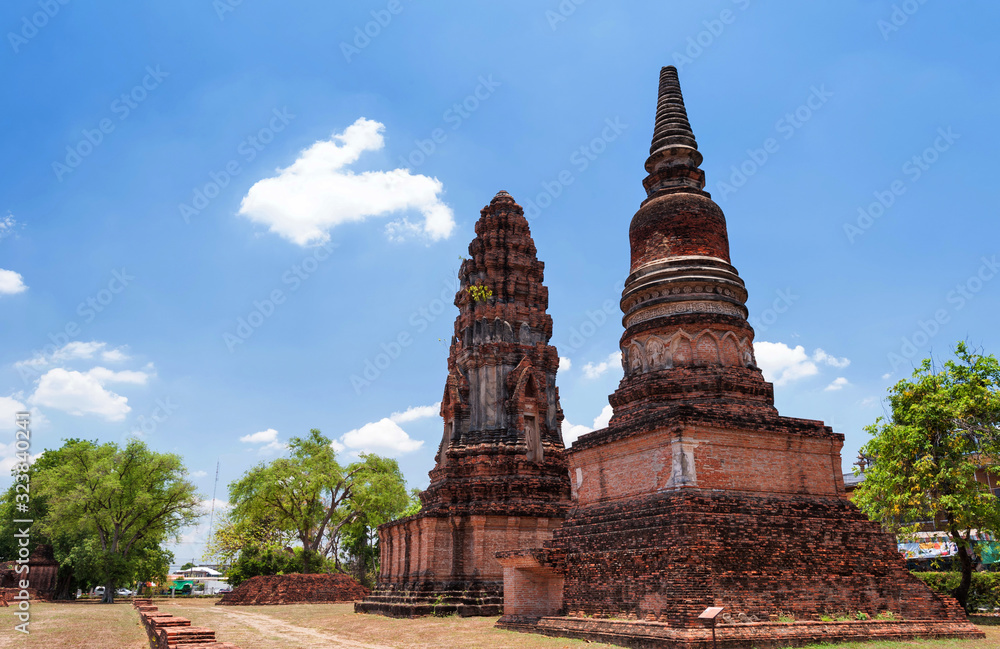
[[667, 556], [456, 548], [698, 450]]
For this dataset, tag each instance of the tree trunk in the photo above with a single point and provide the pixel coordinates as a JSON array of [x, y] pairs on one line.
[[109, 592], [965, 558]]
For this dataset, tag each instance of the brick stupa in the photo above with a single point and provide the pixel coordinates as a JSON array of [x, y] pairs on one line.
[[500, 480], [698, 493]]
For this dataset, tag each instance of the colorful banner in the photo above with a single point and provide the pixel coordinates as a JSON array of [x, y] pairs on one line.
[[928, 549]]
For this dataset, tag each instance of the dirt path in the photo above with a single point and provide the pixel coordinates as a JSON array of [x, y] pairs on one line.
[[267, 625]]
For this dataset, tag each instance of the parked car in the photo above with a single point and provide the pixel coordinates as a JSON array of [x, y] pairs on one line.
[[223, 591], [99, 591], [124, 592]]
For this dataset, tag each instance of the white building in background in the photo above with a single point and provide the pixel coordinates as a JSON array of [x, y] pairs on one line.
[[207, 579]]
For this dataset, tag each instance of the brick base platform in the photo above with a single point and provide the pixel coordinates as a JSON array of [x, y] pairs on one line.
[[465, 599], [760, 635], [638, 572]]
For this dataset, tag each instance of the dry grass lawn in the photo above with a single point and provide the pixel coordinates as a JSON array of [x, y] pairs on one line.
[[314, 626]]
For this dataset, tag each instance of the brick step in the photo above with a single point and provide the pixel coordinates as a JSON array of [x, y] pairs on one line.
[[446, 599], [425, 609], [170, 637]]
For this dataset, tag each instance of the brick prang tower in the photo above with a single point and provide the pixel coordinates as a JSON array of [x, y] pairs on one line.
[[698, 493], [500, 479]]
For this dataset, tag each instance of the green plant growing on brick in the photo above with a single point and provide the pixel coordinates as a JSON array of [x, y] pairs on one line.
[[826, 618], [480, 292], [861, 615], [786, 617], [887, 616]]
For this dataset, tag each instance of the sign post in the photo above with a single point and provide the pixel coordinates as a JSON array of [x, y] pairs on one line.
[[709, 615]]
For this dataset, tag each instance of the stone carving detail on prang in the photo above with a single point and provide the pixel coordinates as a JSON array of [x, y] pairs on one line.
[[659, 310], [655, 353]]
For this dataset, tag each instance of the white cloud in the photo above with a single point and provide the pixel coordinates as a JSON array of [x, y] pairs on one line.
[[601, 420], [7, 224], [886, 375], [564, 364], [384, 437], [416, 412], [11, 283], [114, 356], [104, 375], [318, 192], [9, 407], [79, 350], [80, 393], [821, 356], [220, 505], [868, 402], [261, 437], [838, 383], [269, 440], [572, 432], [782, 364], [592, 371], [199, 474]]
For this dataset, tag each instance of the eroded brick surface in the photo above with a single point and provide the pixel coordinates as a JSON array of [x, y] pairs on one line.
[[500, 479]]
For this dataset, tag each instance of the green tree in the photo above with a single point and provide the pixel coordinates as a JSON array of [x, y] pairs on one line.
[[187, 566], [311, 495], [945, 424], [126, 501], [232, 538], [381, 499]]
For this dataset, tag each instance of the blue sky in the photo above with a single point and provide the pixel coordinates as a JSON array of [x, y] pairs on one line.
[[199, 244]]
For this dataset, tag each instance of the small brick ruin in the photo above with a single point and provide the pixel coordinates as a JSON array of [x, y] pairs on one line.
[[295, 588], [166, 631], [698, 493], [500, 478], [41, 574]]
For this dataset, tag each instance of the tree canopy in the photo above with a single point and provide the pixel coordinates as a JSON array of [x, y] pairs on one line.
[[116, 505], [310, 495], [944, 427]]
